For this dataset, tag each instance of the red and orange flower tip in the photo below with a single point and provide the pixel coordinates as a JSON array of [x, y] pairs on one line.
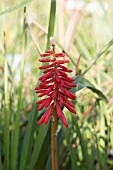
[[55, 84]]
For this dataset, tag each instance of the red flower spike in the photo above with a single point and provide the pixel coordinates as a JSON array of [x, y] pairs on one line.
[[55, 85]]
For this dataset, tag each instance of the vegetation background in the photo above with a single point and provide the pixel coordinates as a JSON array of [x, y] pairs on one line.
[[83, 29]]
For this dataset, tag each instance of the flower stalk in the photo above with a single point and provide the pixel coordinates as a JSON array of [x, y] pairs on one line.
[[54, 141]]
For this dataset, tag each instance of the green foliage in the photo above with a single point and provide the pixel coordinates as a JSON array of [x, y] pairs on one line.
[[87, 143], [51, 22]]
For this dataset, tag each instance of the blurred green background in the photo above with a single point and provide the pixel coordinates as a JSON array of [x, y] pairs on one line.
[[83, 29]]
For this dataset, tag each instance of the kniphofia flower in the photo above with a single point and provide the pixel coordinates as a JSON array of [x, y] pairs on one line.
[[55, 85]]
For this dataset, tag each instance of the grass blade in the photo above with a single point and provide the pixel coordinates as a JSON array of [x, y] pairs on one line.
[[83, 147], [0, 163], [28, 136], [41, 138], [96, 58], [72, 153], [6, 109], [15, 139], [86, 84], [51, 22], [83, 48], [6, 121], [16, 6]]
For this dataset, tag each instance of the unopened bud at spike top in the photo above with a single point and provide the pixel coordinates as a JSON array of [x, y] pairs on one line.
[[52, 41]]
